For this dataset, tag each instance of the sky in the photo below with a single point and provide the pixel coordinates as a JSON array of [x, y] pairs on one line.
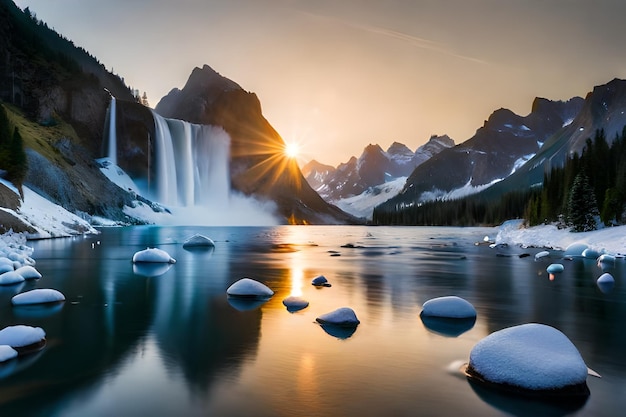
[[334, 76]]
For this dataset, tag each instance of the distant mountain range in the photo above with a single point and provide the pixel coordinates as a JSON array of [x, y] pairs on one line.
[[511, 153], [358, 185]]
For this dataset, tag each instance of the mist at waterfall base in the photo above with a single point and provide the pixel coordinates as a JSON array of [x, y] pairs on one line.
[[191, 178]]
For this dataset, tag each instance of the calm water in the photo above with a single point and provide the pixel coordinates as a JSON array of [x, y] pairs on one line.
[[127, 344]]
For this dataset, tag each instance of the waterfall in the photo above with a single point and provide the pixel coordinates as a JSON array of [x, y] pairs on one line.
[[191, 164], [112, 151]]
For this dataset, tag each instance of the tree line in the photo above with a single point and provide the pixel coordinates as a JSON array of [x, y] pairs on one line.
[[588, 188], [13, 161]]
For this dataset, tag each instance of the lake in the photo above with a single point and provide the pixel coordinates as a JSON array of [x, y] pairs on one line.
[[136, 342]]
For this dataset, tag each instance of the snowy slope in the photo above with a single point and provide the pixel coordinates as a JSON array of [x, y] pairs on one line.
[[363, 204], [49, 219]]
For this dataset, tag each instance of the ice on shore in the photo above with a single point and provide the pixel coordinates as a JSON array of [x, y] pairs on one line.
[[247, 287], [448, 307], [153, 255], [38, 296], [530, 356], [343, 317]]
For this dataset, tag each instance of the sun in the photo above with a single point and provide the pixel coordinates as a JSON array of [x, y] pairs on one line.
[[292, 150]]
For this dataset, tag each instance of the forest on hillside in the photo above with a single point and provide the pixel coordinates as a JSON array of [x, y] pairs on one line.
[[588, 189]]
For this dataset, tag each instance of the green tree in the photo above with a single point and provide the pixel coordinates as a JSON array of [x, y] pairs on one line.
[[582, 207]]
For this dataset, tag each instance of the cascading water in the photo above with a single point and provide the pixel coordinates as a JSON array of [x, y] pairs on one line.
[[112, 151], [192, 164]]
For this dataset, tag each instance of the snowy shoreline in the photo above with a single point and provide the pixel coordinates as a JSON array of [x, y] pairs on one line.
[[610, 239]]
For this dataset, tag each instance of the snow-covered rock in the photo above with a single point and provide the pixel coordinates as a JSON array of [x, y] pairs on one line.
[[605, 282], [294, 303], [606, 262], [22, 336], [247, 287], [555, 268], [10, 278], [448, 307], [343, 316], [38, 296], [591, 253], [199, 241], [7, 353], [575, 250], [541, 255], [153, 255], [530, 357], [28, 272], [320, 281]]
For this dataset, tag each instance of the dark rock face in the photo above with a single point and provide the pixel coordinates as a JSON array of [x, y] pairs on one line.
[[492, 153], [258, 166]]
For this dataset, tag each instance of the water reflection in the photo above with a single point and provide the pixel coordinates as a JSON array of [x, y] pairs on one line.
[[175, 344]]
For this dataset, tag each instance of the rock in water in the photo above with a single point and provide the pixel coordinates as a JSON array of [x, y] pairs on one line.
[[555, 268], [28, 272], [343, 316], [7, 353], [250, 288], [530, 358], [449, 307], [199, 241], [38, 296], [153, 255], [10, 278], [320, 281], [294, 303], [24, 339]]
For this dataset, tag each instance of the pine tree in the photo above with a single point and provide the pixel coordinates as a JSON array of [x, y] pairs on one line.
[[582, 207]]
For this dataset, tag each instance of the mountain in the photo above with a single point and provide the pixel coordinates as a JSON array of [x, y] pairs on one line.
[[502, 145], [603, 110], [374, 167], [258, 164], [58, 96]]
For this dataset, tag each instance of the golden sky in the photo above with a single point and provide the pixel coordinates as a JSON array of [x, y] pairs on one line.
[[338, 75]]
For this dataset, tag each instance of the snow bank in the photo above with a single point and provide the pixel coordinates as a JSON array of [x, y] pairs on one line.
[[610, 240], [247, 287], [530, 356], [449, 307], [47, 218]]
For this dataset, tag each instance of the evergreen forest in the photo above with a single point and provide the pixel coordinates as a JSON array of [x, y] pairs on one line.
[[588, 190]]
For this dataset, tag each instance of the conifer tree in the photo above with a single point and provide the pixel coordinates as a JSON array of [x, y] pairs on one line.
[[582, 207]]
